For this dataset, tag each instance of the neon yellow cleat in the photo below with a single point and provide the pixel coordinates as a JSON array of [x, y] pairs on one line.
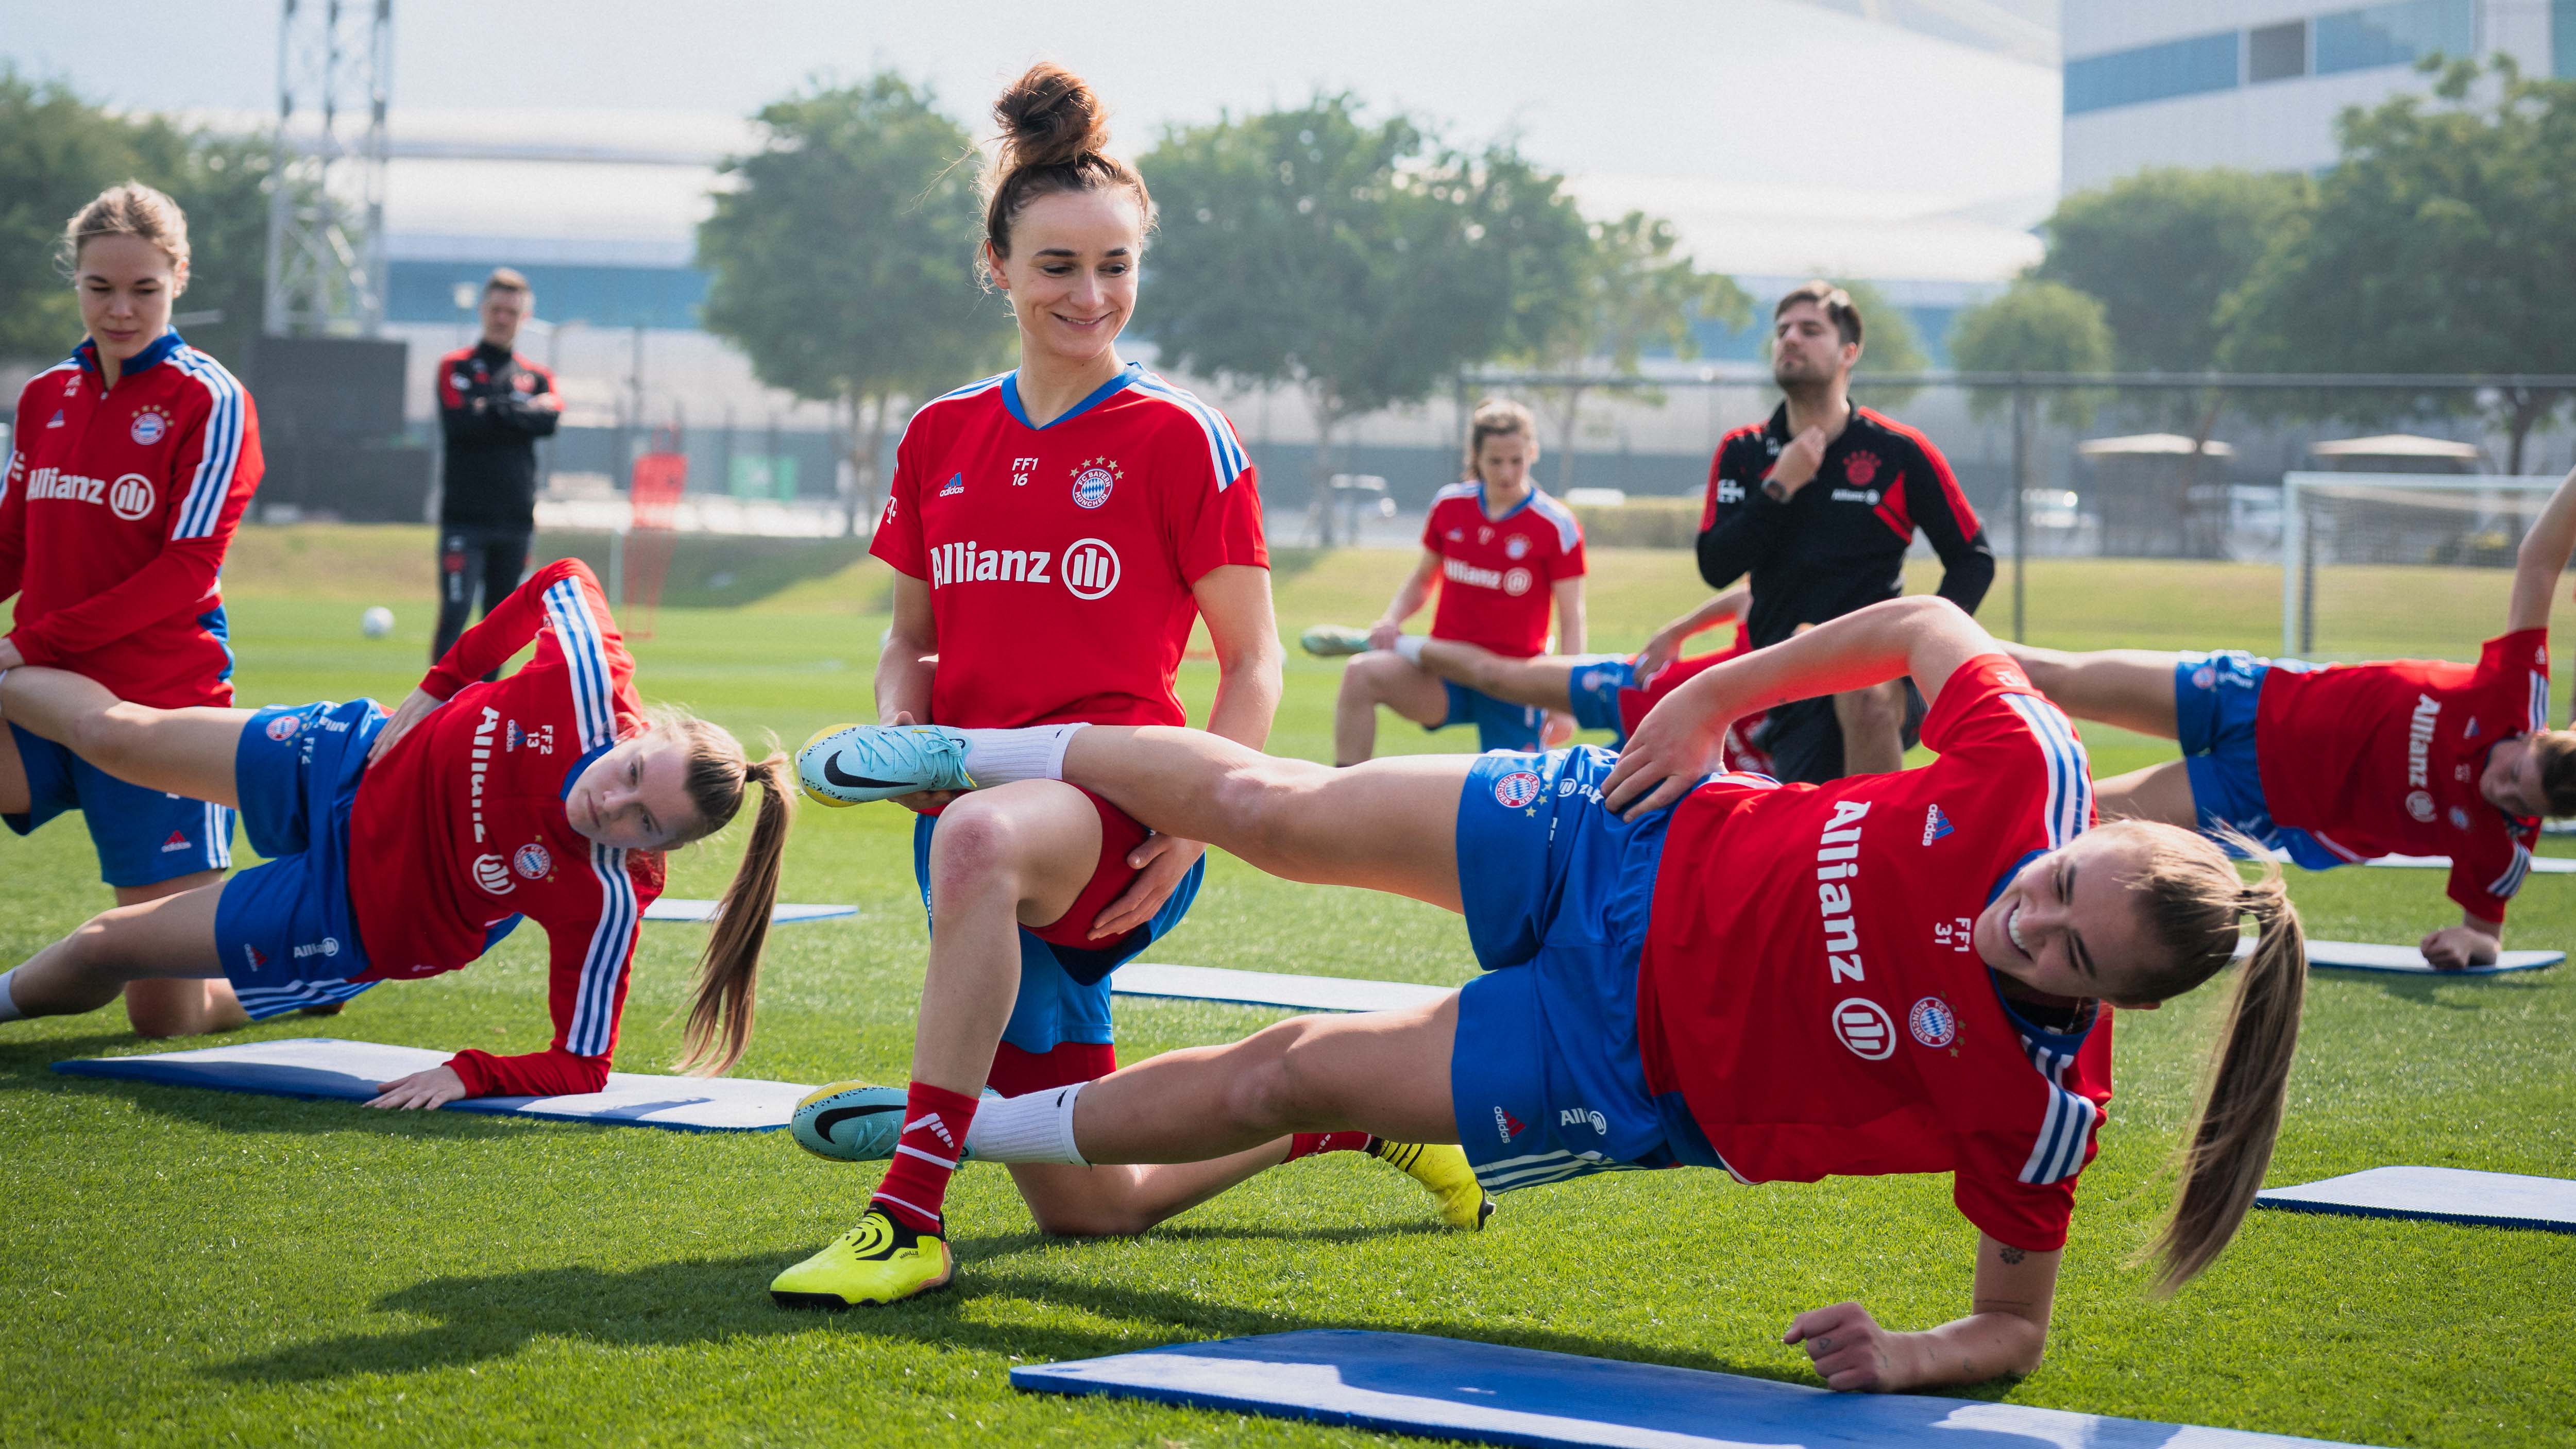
[[1442, 1168], [878, 1262]]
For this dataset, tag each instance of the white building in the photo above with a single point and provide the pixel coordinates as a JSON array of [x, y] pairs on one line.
[[2257, 84]]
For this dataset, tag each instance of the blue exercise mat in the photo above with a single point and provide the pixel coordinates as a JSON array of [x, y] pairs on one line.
[[349, 1071], [1482, 1393], [2436, 1194], [1270, 988], [783, 914]]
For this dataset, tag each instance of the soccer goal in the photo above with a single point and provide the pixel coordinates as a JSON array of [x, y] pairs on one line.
[[2399, 564]]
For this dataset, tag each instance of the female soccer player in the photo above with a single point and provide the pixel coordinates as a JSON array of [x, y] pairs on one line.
[[407, 846], [133, 460], [2347, 762], [1500, 551], [1599, 691], [1054, 532], [1889, 973]]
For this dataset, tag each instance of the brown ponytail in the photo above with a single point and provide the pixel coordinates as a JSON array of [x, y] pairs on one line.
[[1055, 135], [719, 1025], [2194, 901]]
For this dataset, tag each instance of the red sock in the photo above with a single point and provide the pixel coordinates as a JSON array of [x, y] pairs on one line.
[[915, 1190], [1307, 1144]]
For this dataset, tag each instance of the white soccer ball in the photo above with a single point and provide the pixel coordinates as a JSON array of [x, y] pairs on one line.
[[377, 622]]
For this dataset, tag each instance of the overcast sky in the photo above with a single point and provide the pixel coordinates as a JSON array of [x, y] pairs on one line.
[[1733, 90]]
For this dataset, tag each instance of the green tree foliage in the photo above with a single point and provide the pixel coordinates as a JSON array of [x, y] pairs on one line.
[[1363, 262], [842, 255], [1632, 294], [2035, 326], [2443, 240], [2162, 249], [58, 150]]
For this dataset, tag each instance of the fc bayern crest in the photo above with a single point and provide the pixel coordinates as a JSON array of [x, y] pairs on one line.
[[1092, 482], [150, 426], [1516, 547], [1860, 468], [1516, 790], [1933, 1022], [532, 862], [283, 727]]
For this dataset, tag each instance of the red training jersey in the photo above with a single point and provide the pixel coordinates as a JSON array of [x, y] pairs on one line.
[[1495, 573], [115, 512], [1810, 985], [1640, 699], [2383, 759], [459, 830], [1060, 559]]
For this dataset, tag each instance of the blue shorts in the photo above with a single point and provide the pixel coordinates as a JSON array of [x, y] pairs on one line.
[[1500, 725], [1594, 690], [143, 837], [2215, 700], [1544, 1073], [1065, 1000], [285, 928]]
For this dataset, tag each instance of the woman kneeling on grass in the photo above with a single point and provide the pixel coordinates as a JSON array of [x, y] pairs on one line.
[[407, 846], [1890, 973]]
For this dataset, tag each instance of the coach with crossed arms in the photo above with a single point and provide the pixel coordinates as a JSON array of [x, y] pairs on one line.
[[1819, 505], [493, 405]]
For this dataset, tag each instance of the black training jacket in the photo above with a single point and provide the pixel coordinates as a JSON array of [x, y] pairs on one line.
[[490, 474]]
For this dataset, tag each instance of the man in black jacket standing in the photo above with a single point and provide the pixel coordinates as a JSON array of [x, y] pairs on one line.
[[493, 405], [1819, 505]]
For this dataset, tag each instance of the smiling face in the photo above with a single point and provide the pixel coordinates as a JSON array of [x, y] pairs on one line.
[[125, 285], [2069, 925], [1807, 348], [1071, 274], [2511, 781], [636, 797]]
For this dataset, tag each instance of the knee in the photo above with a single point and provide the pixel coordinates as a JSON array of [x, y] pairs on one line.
[[1107, 1214], [1264, 807], [1369, 676], [99, 735], [976, 851], [153, 1016], [1279, 1088]]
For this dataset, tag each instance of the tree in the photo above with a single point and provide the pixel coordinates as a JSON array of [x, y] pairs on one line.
[[57, 151], [2035, 326], [2443, 240], [1362, 262], [842, 256], [1631, 293], [2161, 249]]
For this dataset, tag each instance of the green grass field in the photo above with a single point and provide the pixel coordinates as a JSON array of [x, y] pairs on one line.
[[192, 1267]]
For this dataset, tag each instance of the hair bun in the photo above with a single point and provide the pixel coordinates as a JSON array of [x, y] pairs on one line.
[[1049, 117]]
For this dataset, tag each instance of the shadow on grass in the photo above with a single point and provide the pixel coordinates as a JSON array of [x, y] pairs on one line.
[[722, 1301], [2428, 990]]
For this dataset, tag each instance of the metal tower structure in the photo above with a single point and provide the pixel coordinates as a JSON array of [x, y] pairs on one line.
[[326, 214]]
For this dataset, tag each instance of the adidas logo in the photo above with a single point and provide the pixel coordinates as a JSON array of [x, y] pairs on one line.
[[1507, 1124], [58, 419], [1935, 825], [956, 484], [178, 841]]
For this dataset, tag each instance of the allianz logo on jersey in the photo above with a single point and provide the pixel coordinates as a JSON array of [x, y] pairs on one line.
[[1514, 583], [129, 497], [1088, 568]]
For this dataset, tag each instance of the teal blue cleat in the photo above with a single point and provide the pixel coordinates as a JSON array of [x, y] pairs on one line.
[[853, 764]]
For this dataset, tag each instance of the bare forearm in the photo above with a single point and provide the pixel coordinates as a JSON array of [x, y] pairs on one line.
[[1408, 599], [1569, 623], [904, 673], [1922, 636], [2543, 557], [1971, 1350], [1713, 611], [1247, 696]]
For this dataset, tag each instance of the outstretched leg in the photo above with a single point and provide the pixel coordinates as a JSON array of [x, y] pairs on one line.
[[1376, 678], [2130, 688], [2158, 792], [173, 936], [1384, 1072], [164, 1006], [1389, 825], [1543, 682], [183, 751]]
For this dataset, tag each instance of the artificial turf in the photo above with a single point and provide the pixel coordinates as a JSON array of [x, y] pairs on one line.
[[194, 1267]]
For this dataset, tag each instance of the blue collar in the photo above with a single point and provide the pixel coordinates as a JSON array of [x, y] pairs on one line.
[[1526, 500], [150, 357], [1126, 377]]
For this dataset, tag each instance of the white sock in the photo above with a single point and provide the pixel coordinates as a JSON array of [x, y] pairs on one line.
[[1408, 647], [8, 1004], [1000, 757], [1034, 1128]]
